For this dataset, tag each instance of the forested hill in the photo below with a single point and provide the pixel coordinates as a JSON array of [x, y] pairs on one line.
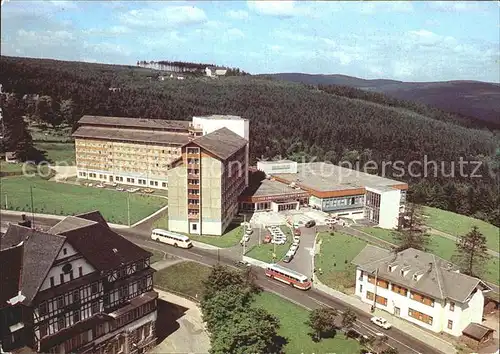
[[286, 119], [475, 99]]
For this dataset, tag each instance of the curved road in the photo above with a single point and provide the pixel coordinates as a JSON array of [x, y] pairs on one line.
[[310, 299]]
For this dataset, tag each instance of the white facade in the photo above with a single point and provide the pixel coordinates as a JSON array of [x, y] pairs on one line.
[[443, 311], [389, 209], [273, 167], [236, 124], [126, 178]]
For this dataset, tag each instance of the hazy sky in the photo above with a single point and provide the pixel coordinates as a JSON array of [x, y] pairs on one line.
[[411, 41]]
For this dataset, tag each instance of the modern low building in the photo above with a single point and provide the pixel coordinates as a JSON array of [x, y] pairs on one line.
[[83, 289], [337, 190], [206, 182], [419, 287], [139, 152]]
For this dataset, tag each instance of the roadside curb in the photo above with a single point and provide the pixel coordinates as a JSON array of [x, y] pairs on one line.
[[150, 216], [205, 246]]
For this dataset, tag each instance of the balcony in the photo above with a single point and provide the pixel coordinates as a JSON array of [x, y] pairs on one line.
[[193, 176], [194, 166], [193, 196], [193, 186], [194, 206], [193, 216]]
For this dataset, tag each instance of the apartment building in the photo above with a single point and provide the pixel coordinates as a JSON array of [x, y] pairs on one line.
[[83, 289], [139, 152], [206, 183], [419, 287], [337, 190]]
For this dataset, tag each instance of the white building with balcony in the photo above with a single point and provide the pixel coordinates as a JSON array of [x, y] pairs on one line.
[[420, 288]]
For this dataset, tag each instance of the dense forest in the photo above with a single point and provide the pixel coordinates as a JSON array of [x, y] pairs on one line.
[[291, 120]]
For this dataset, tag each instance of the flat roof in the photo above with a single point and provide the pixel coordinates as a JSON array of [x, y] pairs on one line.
[[221, 116], [134, 122], [326, 177], [268, 187], [132, 135], [275, 162]]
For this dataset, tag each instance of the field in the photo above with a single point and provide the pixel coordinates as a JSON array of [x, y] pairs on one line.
[[334, 259], [264, 252], [66, 199], [157, 255], [61, 134], [14, 167], [442, 247], [231, 238], [458, 225], [57, 153], [292, 320], [185, 278]]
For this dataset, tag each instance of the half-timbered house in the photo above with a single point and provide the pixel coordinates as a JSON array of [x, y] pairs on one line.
[[86, 288]]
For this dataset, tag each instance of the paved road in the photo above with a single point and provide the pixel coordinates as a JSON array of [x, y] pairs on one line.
[[302, 262], [310, 299]]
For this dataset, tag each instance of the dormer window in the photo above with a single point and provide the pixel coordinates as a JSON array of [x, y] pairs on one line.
[[65, 251], [392, 267]]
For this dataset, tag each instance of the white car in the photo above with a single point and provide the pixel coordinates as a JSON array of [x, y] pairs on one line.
[[294, 248], [245, 239], [249, 231], [381, 322], [296, 240]]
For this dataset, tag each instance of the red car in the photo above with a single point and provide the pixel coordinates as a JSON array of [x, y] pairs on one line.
[[296, 232], [267, 239]]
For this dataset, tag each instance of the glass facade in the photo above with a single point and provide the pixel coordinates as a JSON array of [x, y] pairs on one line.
[[340, 203], [372, 206]]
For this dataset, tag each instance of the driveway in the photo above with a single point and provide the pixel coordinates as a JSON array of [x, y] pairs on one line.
[[302, 262]]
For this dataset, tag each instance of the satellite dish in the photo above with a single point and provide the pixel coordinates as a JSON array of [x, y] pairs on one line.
[[67, 268]]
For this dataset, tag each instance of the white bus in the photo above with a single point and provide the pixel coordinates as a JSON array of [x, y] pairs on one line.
[[288, 276], [171, 238]]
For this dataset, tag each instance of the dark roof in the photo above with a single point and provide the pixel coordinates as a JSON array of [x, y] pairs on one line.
[[11, 260], [135, 122], [476, 331], [104, 248], [223, 143], [137, 135], [437, 277], [69, 223], [93, 216], [40, 251]]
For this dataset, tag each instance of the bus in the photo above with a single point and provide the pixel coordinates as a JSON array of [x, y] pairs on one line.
[[288, 276], [171, 238]]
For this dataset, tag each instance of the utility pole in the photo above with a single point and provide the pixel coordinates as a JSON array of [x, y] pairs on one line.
[[128, 208], [244, 233], [259, 235], [6, 203], [32, 209], [375, 291]]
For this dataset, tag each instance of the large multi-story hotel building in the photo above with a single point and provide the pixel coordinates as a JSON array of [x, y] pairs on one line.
[[82, 289], [337, 190], [139, 152], [419, 287], [206, 183]]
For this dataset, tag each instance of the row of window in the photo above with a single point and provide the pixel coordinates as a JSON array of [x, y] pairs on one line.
[[64, 300], [54, 325], [62, 277]]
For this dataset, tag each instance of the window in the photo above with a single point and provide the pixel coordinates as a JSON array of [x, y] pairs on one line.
[[164, 184], [65, 251], [76, 316], [95, 307], [452, 306], [52, 281], [360, 288], [94, 288], [43, 308], [61, 278], [60, 302], [76, 295], [71, 274], [80, 271], [450, 324], [43, 329], [61, 323], [195, 227]]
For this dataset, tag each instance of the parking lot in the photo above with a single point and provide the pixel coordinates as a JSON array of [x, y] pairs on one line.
[[302, 261]]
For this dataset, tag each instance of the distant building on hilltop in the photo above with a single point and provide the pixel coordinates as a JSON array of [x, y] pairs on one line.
[[213, 71], [174, 66]]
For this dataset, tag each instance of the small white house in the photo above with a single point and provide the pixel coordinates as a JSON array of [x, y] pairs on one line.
[[420, 288], [212, 71], [11, 157]]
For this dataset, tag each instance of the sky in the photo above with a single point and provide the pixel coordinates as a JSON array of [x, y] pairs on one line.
[[408, 41]]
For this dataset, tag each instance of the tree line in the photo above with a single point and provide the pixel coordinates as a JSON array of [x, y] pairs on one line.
[[293, 121]]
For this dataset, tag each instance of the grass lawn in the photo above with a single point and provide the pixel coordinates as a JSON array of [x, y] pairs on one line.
[[185, 278], [264, 252], [442, 247], [231, 238], [334, 259], [457, 225], [66, 199], [58, 153], [157, 255], [161, 223], [292, 319], [15, 167], [62, 133]]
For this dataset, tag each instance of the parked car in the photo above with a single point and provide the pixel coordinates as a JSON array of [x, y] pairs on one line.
[[267, 239], [242, 264], [99, 186], [293, 248], [296, 232], [381, 322], [279, 241], [296, 240], [120, 189], [249, 231], [310, 223], [288, 257], [148, 190], [132, 190]]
